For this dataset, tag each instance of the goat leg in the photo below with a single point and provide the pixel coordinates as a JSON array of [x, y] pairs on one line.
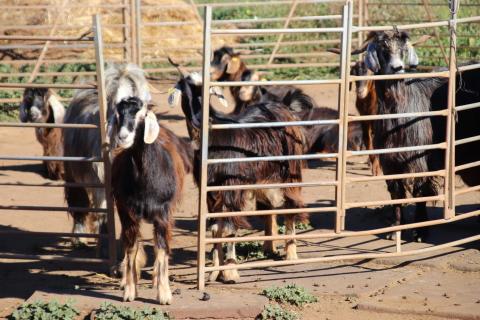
[[164, 294], [291, 245]]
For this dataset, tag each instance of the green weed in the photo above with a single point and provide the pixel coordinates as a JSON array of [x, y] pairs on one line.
[[45, 311], [291, 294], [108, 311]]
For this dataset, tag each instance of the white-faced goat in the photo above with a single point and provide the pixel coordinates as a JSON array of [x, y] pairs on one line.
[[240, 143], [385, 53], [147, 178], [121, 81], [41, 105]]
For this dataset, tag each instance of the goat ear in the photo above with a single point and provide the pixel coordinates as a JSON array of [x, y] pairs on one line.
[[23, 113], [174, 96], [112, 122], [218, 92], [57, 108], [412, 55], [152, 128], [371, 58], [233, 65]]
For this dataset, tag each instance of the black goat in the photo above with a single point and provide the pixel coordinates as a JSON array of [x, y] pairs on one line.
[[147, 180], [385, 54], [241, 143]]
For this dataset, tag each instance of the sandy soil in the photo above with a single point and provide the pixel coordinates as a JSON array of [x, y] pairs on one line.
[[345, 289]]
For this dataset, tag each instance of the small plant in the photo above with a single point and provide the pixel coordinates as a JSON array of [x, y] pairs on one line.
[[108, 311], [249, 251], [298, 227], [45, 311], [291, 294], [276, 312]]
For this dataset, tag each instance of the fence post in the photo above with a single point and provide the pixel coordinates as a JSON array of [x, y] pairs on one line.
[[102, 103], [138, 32], [343, 115], [127, 36], [449, 205], [202, 205]]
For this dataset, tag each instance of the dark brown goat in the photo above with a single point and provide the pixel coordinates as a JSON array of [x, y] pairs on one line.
[[366, 104], [147, 181], [240, 143], [40, 105]]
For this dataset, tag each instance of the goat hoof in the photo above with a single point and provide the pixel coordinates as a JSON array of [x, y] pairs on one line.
[[164, 296], [291, 252], [230, 276], [420, 235], [129, 293], [213, 276]]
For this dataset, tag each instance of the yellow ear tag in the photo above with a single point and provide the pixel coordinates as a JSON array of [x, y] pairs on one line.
[[235, 59], [263, 79]]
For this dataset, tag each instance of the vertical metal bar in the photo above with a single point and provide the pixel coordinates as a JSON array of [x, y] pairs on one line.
[[449, 204], [343, 112], [126, 14], [361, 7], [365, 13], [133, 31], [202, 204], [102, 103], [138, 31], [280, 37], [398, 241]]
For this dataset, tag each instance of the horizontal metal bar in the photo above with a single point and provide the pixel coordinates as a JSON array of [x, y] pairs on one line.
[[442, 145], [18, 256], [466, 140], [398, 115], [46, 208], [344, 234], [269, 212], [274, 158], [444, 74], [54, 184], [272, 124], [69, 6], [467, 166], [467, 190], [235, 4], [50, 85], [350, 205], [422, 25], [52, 234], [17, 46], [469, 67], [48, 74], [274, 31], [468, 106], [397, 176], [273, 83], [44, 38], [48, 158], [271, 186], [343, 257], [259, 20], [59, 26], [47, 125]]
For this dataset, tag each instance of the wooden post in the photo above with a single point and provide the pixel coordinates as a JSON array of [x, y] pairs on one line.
[[102, 103], [280, 37], [138, 32], [126, 14]]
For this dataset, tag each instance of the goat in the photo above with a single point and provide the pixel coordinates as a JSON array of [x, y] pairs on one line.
[[385, 52], [324, 138], [366, 104], [245, 143], [121, 81], [147, 180], [41, 105]]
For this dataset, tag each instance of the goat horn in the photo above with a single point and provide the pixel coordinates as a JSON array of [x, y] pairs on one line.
[[180, 69], [422, 39], [334, 50]]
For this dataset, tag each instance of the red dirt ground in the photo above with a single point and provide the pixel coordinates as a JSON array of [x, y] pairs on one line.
[[443, 285]]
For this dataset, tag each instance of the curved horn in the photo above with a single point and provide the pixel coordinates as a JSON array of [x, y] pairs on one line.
[[422, 39], [180, 69], [362, 49]]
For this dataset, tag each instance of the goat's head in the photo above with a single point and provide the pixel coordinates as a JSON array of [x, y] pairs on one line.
[[34, 106], [226, 62], [42, 106], [131, 117], [387, 51]]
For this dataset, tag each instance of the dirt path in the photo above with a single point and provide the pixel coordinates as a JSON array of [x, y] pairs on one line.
[[402, 288]]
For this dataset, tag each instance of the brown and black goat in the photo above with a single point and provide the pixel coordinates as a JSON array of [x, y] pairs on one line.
[[366, 104], [240, 143], [147, 179], [41, 105]]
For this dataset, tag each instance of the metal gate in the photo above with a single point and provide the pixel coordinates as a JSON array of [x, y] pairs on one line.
[[97, 42], [346, 31]]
